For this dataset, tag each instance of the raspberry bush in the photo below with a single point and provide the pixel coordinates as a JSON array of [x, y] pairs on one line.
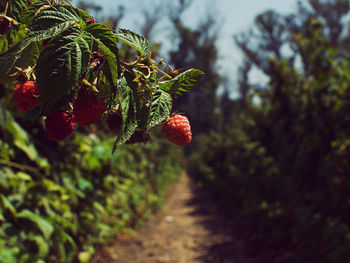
[[65, 50]]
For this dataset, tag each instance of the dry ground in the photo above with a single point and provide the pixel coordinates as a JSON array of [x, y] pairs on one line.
[[189, 229]]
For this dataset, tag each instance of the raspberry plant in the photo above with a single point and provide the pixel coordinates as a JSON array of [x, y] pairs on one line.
[[65, 49]]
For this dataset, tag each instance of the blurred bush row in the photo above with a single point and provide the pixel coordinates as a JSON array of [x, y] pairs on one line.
[[59, 200], [282, 159]]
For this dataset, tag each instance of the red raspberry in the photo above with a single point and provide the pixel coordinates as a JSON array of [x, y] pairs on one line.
[[90, 20], [177, 130], [59, 125], [88, 109], [25, 96]]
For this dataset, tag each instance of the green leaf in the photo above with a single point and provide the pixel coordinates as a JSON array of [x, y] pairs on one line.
[[134, 40], [22, 140], [127, 101], [110, 67], [45, 227], [42, 245], [16, 34], [61, 65], [107, 42], [5, 203], [15, 8], [104, 35], [23, 54], [160, 108], [54, 20], [29, 13], [182, 83]]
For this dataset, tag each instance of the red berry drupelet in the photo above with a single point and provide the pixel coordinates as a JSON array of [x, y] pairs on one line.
[[25, 96], [88, 109], [177, 130], [59, 125]]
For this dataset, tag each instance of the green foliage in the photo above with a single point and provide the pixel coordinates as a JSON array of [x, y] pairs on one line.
[[282, 158], [59, 69], [59, 200], [160, 109], [57, 44], [182, 83], [134, 40]]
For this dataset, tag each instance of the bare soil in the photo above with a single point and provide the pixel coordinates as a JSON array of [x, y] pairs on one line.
[[188, 230]]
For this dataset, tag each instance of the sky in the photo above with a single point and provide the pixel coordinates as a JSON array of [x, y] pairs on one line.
[[234, 16]]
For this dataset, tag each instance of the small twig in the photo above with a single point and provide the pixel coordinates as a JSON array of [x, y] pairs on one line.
[[161, 71], [69, 2], [19, 166]]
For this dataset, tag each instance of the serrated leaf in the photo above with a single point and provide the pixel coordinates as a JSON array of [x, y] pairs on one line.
[[160, 108], [15, 8], [110, 67], [182, 83], [16, 34], [127, 101], [29, 13], [61, 65], [107, 42], [45, 227], [52, 21], [104, 35], [23, 54], [134, 40]]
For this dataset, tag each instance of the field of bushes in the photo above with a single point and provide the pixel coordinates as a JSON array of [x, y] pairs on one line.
[[281, 161]]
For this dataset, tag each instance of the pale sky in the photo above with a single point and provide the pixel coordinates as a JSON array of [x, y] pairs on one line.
[[235, 16]]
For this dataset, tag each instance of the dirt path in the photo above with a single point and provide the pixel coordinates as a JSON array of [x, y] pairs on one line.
[[187, 230]]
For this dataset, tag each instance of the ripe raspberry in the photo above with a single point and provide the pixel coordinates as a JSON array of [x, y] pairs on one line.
[[88, 109], [59, 125], [114, 121], [25, 96], [90, 20], [177, 130]]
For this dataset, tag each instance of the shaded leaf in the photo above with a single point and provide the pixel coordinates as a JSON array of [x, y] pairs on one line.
[[128, 107], [16, 34], [45, 227], [15, 8], [23, 54], [61, 65], [104, 35]]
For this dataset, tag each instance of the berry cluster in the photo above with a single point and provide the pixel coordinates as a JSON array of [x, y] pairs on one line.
[[87, 109]]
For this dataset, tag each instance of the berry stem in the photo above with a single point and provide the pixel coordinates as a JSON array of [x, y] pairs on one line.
[[19, 166]]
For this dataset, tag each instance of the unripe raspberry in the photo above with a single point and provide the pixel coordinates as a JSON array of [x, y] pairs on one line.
[[59, 125], [177, 130], [5, 24], [88, 109], [114, 122], [139, 136], [25, 96]]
